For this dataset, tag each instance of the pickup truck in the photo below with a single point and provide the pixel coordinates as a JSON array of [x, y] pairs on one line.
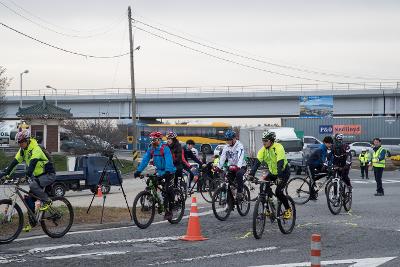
[[85, 176]]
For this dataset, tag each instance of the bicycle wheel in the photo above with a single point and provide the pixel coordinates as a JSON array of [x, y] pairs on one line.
[[347, 198], [58, 219], [298, 189], [221, 204], [178, 207], [286, 226], [183, 186], [11, 221], [259, 218], [143, 209], [243, 206], [333, 197], [204, 186]]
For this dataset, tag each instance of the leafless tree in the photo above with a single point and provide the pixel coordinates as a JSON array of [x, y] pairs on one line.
[[99, 135], [4, 83]]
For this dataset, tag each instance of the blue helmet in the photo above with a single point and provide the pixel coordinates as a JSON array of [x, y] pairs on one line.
[[230, 134]]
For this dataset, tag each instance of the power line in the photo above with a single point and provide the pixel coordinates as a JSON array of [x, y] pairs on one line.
[[231, 61], [55, 31], [59, 48], [262, 61]]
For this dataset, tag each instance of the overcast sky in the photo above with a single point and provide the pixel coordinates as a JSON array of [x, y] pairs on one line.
[[358, 38]]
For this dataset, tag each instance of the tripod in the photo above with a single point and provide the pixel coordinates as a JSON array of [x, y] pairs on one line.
[[104, 175]]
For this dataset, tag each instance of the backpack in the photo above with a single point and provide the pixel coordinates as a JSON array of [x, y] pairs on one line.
[[49, 166], [161, 151]]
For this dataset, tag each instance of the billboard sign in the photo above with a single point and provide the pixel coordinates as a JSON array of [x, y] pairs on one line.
[[347, 129], [326, 129], [316, 106]]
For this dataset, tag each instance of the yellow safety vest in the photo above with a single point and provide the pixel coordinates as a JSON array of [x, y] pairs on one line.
[[375, 159], [364, 158]]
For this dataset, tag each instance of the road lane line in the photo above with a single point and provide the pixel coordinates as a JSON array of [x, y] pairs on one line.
[[107, 229], [100, 253], [45, 249], [366, 262], [220, 255]]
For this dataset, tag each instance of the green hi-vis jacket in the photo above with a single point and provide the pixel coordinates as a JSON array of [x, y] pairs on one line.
[[271, 156], [33, 151]]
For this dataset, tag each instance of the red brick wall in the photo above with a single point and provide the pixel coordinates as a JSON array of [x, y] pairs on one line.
[[52, 138]]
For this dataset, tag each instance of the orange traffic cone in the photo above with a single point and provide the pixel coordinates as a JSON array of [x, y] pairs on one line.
[[193, 231], [99, 192]]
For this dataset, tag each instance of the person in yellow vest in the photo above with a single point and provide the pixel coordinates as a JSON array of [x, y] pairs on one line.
[[364, 162], [378, 163]]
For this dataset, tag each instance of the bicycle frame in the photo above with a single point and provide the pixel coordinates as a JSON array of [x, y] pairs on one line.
[[13, 198]]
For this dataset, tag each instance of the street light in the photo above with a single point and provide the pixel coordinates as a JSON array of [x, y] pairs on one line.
[[20, 78], [52, 88]]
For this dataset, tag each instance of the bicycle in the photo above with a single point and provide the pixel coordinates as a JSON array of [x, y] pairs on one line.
[[56, 221], [146, 202], [267, 205], [224, 198], [204, 184], [338, 195], [299, 188]]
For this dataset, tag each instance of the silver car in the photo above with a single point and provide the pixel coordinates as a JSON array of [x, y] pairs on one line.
[[392, 146], [357, 147]]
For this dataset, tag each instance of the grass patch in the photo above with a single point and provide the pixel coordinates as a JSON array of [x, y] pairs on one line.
[[111, 214], [128, 166]]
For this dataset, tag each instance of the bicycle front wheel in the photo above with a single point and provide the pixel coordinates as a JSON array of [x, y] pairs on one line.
[[286, 226], [221, 204], [178, 207], [143, 209], [347, 198], [58, 218], [243, 206], [259, 218], [298, 189], [333, 197], [11, 221]]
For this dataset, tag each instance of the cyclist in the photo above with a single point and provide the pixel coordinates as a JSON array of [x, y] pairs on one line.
[[40, 171], [273, 154], [318, 161], [178, 155], [342, 158], [234, 154], [189, 154], [162, 160]]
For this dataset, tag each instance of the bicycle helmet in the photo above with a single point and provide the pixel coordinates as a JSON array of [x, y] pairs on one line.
[[230, 134], [155, 135], [171, 135], [267, 135], [23, 135], [339, 137]]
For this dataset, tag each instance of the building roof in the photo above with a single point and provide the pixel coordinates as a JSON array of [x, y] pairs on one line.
[[43, 110]]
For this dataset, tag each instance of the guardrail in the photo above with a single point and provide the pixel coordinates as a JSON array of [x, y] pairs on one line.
[[210, 89]]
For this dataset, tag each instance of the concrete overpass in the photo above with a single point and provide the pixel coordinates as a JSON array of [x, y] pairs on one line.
[[366, 99]]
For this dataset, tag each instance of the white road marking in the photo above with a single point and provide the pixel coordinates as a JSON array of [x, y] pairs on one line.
[[366, 262], [159, 240], [45, 249], [107, 229], [100, 253], [220, 255]]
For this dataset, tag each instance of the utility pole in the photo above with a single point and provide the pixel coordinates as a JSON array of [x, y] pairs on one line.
[[134, 126]]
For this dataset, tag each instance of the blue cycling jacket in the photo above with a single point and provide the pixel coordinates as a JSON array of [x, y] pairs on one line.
[[319, 156], [162, 160]]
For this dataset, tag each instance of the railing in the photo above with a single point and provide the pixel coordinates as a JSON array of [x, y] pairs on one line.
[[210, 89]]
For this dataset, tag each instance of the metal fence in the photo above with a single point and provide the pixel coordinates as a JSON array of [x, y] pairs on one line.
[[210, 89]]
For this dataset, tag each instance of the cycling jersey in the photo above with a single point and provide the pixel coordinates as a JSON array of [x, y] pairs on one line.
[[234, 154], [161, 159], [271, 156]]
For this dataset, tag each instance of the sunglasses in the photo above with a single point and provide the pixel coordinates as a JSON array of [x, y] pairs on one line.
[[22, 141]]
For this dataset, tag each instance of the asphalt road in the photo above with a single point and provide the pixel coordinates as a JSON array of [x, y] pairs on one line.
[[369, 235]]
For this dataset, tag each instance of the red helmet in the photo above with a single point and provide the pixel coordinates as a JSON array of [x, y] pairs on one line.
[[171, 135], [233, 168], [155, 135]]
